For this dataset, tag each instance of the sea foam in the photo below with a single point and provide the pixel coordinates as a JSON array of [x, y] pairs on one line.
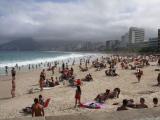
[[41, 60]]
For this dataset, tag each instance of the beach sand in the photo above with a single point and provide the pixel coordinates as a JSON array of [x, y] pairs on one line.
[[62, 96]]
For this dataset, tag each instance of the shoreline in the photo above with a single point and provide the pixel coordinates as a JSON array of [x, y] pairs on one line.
[[47, 60]]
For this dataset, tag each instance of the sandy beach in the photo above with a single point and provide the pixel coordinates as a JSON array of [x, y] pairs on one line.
[[62, 96]]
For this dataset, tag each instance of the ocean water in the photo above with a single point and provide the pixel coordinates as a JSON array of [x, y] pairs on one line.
[[24, 58]]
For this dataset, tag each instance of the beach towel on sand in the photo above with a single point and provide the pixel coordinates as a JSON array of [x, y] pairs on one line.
[[92, 105], [44, 88]]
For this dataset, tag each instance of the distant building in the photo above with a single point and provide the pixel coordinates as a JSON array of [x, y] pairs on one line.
[[136, 35], [124, 40], [153, 42], [112, 44]]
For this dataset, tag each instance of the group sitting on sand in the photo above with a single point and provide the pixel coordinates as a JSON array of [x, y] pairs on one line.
[[37, 108], [51, 82], [43, 82], [130, 104]]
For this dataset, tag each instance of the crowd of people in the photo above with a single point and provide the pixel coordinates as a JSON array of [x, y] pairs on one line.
[[110, 64]]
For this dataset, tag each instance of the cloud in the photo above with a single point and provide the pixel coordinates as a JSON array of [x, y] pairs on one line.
[[76, 19]]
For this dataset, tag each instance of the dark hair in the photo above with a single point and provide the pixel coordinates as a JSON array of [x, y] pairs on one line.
[[40, 96], [155, 100], [118, 91], [107, 90], [125, 102], [36, 100], [142, 99]]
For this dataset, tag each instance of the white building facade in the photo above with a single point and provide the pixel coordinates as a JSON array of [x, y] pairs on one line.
[[136, 35]]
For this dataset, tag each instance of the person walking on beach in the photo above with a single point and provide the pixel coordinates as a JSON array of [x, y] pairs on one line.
[[78, 96], [37, 109], [13, 73]]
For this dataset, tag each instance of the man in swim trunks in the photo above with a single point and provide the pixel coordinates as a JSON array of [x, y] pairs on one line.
[[37, 109]]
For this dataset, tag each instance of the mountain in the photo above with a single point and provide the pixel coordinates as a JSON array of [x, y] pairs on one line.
[[21, 44], [26, 44]]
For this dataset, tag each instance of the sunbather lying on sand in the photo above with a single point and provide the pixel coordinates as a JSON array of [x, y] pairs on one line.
[[104, 96]]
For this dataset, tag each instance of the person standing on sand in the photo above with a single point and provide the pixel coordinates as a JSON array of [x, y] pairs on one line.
[[37, 109], [139, 74], [6, 70], [13, 73], [78, 96], [43, 74]]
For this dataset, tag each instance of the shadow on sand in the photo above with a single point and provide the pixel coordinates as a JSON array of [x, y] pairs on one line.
[[135, 82], [5, 98]]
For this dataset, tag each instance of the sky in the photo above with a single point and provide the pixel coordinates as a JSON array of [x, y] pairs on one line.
[[97, 20]]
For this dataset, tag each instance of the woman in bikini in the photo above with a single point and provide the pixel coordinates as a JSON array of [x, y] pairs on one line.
[[78, 96]]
